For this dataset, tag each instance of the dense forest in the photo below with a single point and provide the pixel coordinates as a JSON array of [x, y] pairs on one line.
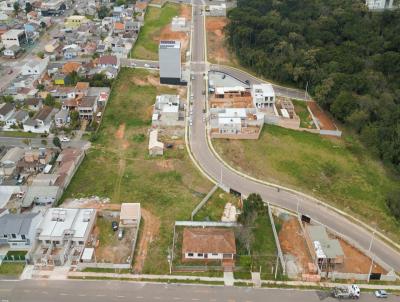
[[349, 56]]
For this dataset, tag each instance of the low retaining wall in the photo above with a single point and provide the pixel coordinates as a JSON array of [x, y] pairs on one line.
[[203, 202], [82, 265], [278, 245], [359, 277], [206, 224]]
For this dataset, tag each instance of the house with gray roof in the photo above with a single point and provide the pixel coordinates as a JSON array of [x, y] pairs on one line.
[[19, 230]]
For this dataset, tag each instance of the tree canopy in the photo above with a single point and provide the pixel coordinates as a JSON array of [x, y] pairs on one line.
[[349, 56]]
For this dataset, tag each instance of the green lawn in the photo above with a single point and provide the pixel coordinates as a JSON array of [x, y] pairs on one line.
[[18, 255], [19, 134], [214, 207], [12, 268], [339, 171], [117, 165], [146, 46], [300, 107]]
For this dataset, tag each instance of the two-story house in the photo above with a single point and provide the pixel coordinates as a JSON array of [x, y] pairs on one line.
[[88, 107], [19, 230]]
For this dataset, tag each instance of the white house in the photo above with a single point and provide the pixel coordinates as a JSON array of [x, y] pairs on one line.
[[63, 231], [17, 118], [263, 95], [155, 146], [130, 215], [379, 4], [35, 67], [11, 52], [19, 230], [13, 37]]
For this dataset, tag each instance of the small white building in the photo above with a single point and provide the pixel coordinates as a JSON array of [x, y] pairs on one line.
[[218, 10], [179, 24], [130, 215], [263, 95], [155, 147], [13, 37], [379, 4], [35, 67]]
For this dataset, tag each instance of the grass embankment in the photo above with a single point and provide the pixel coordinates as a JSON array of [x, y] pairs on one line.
[[12, 268], [20, 134], [339, 171], [146, 46], [118, 165]]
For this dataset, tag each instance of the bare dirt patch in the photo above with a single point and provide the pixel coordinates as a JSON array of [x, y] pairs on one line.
[[120, 132], [216, 45], [151, 228], [109, 248], [356, 262], [292, 242], [168, 34], [325, 122], [92, 202], [167, 164], [186, 11]]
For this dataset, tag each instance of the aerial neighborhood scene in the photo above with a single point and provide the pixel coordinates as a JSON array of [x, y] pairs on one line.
[[199, 150]]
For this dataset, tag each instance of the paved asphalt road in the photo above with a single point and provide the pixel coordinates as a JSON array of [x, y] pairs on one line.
[[104, 291], [216, 169], [244, 76], [37, 142]]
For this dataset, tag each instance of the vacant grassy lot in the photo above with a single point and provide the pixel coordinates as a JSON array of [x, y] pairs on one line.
[[300, 107], [12, 268], [214, 208], [117, 166], [337, 171], [146, 46]]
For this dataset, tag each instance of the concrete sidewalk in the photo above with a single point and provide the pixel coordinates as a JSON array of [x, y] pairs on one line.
[[221, 279]]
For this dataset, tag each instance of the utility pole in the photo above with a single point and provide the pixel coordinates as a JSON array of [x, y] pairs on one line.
[[306, 94]]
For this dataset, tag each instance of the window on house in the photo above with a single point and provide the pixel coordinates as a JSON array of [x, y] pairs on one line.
[[13, 236], [199, 254], [190, 254], [5, 235], [214, 254], [23, 237], [47, 241]]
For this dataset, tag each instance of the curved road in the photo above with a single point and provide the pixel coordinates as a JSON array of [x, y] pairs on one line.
[[216, 170]]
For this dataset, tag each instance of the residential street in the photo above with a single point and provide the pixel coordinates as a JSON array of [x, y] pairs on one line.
[[99, 291], [37, 142], [215, 169]]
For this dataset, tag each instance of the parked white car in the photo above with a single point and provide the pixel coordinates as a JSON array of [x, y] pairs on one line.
[[64, 139], [381, 293]]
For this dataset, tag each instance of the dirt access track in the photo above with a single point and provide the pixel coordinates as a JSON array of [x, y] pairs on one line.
[[293, 242], [324, 121]]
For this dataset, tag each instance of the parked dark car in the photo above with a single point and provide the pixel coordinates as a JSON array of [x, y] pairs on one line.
[[169, 146], [114, 226]]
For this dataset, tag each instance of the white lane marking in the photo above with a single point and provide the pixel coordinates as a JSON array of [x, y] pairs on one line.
[[5, 289], [139, 297], [45, 293], [100, 295], [120, 296], [195, 299], [177, 298], [63, 294], [156, 298], [82, 295]]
